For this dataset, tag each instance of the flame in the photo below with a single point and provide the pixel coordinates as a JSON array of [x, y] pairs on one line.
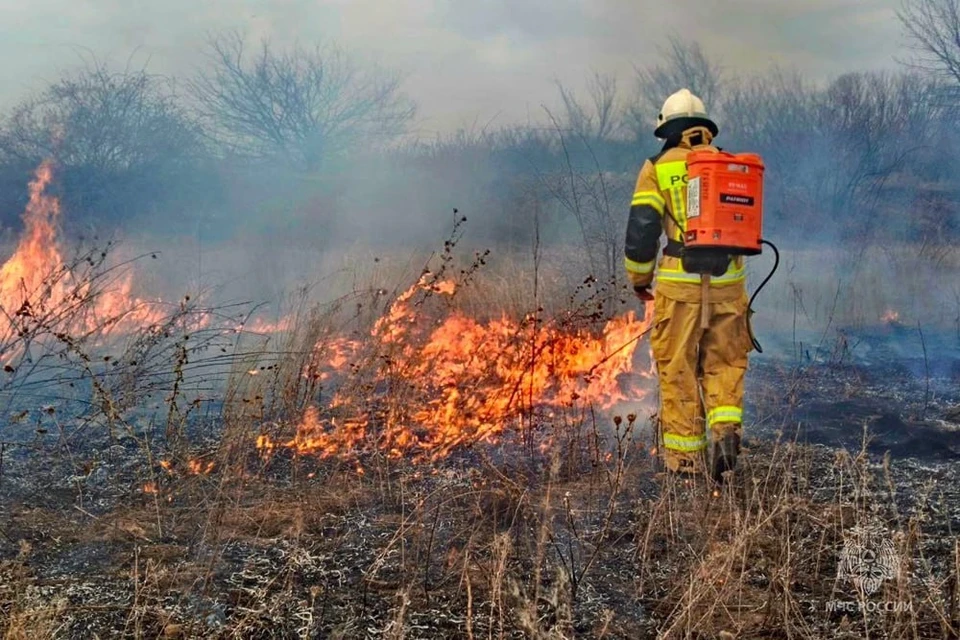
[[35, 280], [446, 286], [890, 317], [150, 487], [37, 255], [462, 381], [199, 467]]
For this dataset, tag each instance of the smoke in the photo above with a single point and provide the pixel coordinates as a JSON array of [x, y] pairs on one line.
[[852, 160]]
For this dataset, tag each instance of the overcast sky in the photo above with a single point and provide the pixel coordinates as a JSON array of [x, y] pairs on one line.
[[466, 61]]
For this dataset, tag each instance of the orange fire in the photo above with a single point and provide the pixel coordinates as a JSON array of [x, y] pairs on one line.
[[199, 467], [890, 316], [37, 254], [37, 257], [459, 381], [418, 385], [36, 283]]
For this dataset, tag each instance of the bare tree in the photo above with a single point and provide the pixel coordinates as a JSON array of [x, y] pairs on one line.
[[599, 116], [934, 28], [586, 132], [121, 140], [831, 150], [101, 120], [778, 115], [878, 120], [683, 64], [769, 112], [305, 104]]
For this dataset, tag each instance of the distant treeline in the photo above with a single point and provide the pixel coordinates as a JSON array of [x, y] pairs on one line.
[[310, 147]]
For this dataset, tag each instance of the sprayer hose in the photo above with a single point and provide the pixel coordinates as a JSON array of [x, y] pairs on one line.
[[776, 263]]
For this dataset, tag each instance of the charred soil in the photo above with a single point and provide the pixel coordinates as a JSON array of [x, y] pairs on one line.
[[580, 539]]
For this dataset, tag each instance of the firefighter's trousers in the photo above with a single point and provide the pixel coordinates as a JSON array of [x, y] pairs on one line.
[[701, 371]]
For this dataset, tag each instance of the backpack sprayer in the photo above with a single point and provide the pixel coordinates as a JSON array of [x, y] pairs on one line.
[[724, 219]]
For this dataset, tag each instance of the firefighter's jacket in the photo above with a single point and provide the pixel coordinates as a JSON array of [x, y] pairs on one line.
[[659, 207]]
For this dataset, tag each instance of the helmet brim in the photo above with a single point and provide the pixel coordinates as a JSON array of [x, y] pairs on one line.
[[679, 125]]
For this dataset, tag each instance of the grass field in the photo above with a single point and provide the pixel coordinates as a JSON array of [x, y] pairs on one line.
[[138, 498]]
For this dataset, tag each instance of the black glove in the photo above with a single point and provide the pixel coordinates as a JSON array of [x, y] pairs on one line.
[[643, 293]]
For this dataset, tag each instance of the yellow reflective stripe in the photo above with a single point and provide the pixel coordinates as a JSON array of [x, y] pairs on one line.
[[677, 442], [682, 276], [679, 235], [672, 178], [650, 198], [732, 275], [638, 267], [679, 208], [725, 414], [671, 175]]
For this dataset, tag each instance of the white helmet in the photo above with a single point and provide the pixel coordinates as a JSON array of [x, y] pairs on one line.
[[681, 111]]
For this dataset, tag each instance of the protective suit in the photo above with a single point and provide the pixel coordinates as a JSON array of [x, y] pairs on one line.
[[701, 370]]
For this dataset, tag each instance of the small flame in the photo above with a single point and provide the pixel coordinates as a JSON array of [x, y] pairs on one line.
[[37, 253], [150, 487], [446, 287], [35, 280], [890, 316], [199, 467]]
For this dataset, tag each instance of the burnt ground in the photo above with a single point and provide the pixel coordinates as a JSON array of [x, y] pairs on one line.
[[892, 384], [505, 541]]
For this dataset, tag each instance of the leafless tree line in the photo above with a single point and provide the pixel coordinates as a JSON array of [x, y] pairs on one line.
[[128, 143], [127, 137]]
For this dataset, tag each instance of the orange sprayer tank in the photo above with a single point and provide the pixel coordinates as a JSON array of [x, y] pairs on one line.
[[724, 202]]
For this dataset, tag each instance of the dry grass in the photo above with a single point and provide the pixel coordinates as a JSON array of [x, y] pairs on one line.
[[484, 549], [560, 530]]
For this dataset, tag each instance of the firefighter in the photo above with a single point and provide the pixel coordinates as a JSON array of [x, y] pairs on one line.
[[701, 370]]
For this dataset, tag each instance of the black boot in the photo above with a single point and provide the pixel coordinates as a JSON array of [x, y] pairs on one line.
[[723, 456]]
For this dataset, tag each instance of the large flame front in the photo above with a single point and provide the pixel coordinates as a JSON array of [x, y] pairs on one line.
[[461, 382], [417, 384]]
